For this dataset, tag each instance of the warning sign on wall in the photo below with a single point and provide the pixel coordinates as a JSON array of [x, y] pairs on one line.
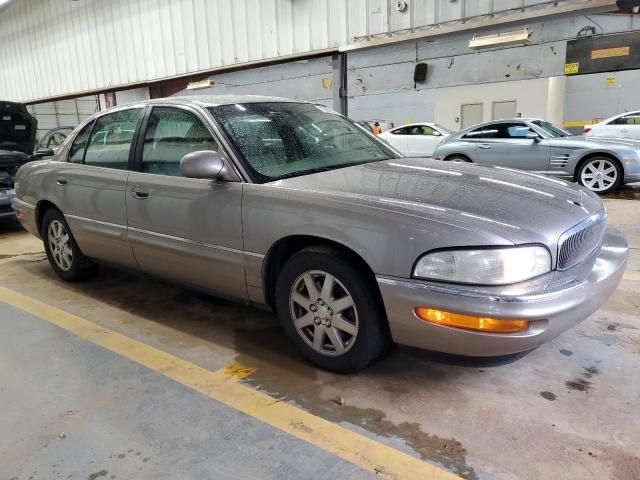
[[571, 68]]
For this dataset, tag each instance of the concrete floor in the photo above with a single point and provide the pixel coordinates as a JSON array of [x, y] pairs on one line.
[[569, 409]]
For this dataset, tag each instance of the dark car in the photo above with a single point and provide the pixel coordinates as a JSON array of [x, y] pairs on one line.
[[17, 139]]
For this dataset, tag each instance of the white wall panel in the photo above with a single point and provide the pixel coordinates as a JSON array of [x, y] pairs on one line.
[[52, 48]]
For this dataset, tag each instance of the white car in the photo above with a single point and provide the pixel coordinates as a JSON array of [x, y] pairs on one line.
[[416, 139], [625, 125]]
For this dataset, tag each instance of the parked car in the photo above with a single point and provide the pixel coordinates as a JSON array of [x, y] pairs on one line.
[[416, 139], [599, 164], [624, 125], [17, 138], [291, 205], [51, 142]]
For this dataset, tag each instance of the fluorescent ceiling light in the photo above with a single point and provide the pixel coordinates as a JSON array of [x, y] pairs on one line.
[[509, 38]]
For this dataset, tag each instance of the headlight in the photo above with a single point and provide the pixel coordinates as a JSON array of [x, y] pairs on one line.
[[491, 266]]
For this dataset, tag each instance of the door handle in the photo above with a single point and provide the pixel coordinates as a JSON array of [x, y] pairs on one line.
[[624, 131], [62, 181], [140, 193], [484, 146]]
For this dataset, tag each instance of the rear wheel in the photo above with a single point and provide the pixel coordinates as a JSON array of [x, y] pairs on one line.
[[62, 250], [600, 174], [331, 311]]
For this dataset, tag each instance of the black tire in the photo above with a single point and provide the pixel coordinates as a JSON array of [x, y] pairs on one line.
[[372, 338], [458, 158], [80, 266], [595, 187]]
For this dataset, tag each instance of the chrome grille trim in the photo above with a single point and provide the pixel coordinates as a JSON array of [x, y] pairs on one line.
[[578, 242]]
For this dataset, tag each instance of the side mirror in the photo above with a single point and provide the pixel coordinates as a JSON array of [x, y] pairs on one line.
[[533, 136], [206, 164], [43, 152], [436, 133]]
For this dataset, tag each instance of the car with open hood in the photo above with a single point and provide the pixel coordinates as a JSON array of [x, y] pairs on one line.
[[17, 139], [538, 146], [291, 205]]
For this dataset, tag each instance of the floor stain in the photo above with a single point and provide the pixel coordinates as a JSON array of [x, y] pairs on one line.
[[579, 384], [548, 395], [101, 473], [566, 353], [122, 455], [589, 372], [300, 387]]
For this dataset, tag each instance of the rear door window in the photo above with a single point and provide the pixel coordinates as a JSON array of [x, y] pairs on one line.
[[111, 139]]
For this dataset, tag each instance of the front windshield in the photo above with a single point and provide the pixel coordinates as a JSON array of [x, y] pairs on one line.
[[444, 129], [285, 139], [550, 129]]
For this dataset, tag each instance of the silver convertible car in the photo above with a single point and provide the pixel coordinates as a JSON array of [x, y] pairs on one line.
[[293, 206], [599, 164]]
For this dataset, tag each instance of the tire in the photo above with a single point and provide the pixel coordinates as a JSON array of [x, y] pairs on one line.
[[458, 159], [601, 175], [63, 252], [349, 339]]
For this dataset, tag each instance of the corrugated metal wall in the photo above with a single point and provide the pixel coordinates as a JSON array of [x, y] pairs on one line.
[[63, 113], [59, 47]]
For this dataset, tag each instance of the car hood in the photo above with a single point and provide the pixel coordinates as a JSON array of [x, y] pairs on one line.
[[17, 128], [580, 141], [518, 206]]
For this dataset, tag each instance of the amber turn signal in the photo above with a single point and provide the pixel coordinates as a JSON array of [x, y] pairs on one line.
[[468, 322]]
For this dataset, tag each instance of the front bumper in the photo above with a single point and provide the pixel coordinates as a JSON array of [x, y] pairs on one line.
[[552, 304]]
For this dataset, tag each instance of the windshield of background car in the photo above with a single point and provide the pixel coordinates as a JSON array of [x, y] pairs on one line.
[[282, 139], [551, 130], [444, 129]]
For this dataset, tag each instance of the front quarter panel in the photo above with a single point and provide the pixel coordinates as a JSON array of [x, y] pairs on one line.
[[456, 147], [388, 240]]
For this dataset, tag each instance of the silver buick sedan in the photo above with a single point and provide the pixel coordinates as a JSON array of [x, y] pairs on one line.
[[293, 206], [599, 164]]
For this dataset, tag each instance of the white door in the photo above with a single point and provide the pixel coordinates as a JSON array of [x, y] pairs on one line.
[[471, 114], [397, 138], [422, 141], [628, 126], [504, 110]]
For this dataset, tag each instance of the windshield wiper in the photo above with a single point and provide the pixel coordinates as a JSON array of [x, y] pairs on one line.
[[308, 171]]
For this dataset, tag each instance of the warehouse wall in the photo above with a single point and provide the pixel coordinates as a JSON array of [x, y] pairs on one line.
[[60, 47], [63, 113], [531, 97], [302, 80], [381, 79], [600, 96]]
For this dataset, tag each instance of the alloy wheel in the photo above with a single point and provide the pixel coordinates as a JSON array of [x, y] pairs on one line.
[[599, 175], [323, 313], [60, 245]]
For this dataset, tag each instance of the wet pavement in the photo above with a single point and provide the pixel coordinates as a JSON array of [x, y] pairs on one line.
[[568, 409]]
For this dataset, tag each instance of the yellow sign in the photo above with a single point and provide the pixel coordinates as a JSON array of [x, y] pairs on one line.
[[570, 68], [610, 80], [610, 52]]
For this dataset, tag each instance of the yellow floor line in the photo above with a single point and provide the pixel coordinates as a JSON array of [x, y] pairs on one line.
[[632, 276], [223, 385]]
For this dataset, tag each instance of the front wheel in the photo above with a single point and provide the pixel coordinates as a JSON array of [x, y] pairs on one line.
[[601, 175], [62, 250], [331, 311]]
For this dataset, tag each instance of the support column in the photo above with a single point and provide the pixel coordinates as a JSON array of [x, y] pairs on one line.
[[340, 99]]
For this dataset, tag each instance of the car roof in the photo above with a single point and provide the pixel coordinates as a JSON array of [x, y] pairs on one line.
[[633, 112], [414, 124], [215, 100]]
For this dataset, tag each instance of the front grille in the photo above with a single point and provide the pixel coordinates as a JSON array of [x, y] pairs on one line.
[[578, 242], [5, 208]]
